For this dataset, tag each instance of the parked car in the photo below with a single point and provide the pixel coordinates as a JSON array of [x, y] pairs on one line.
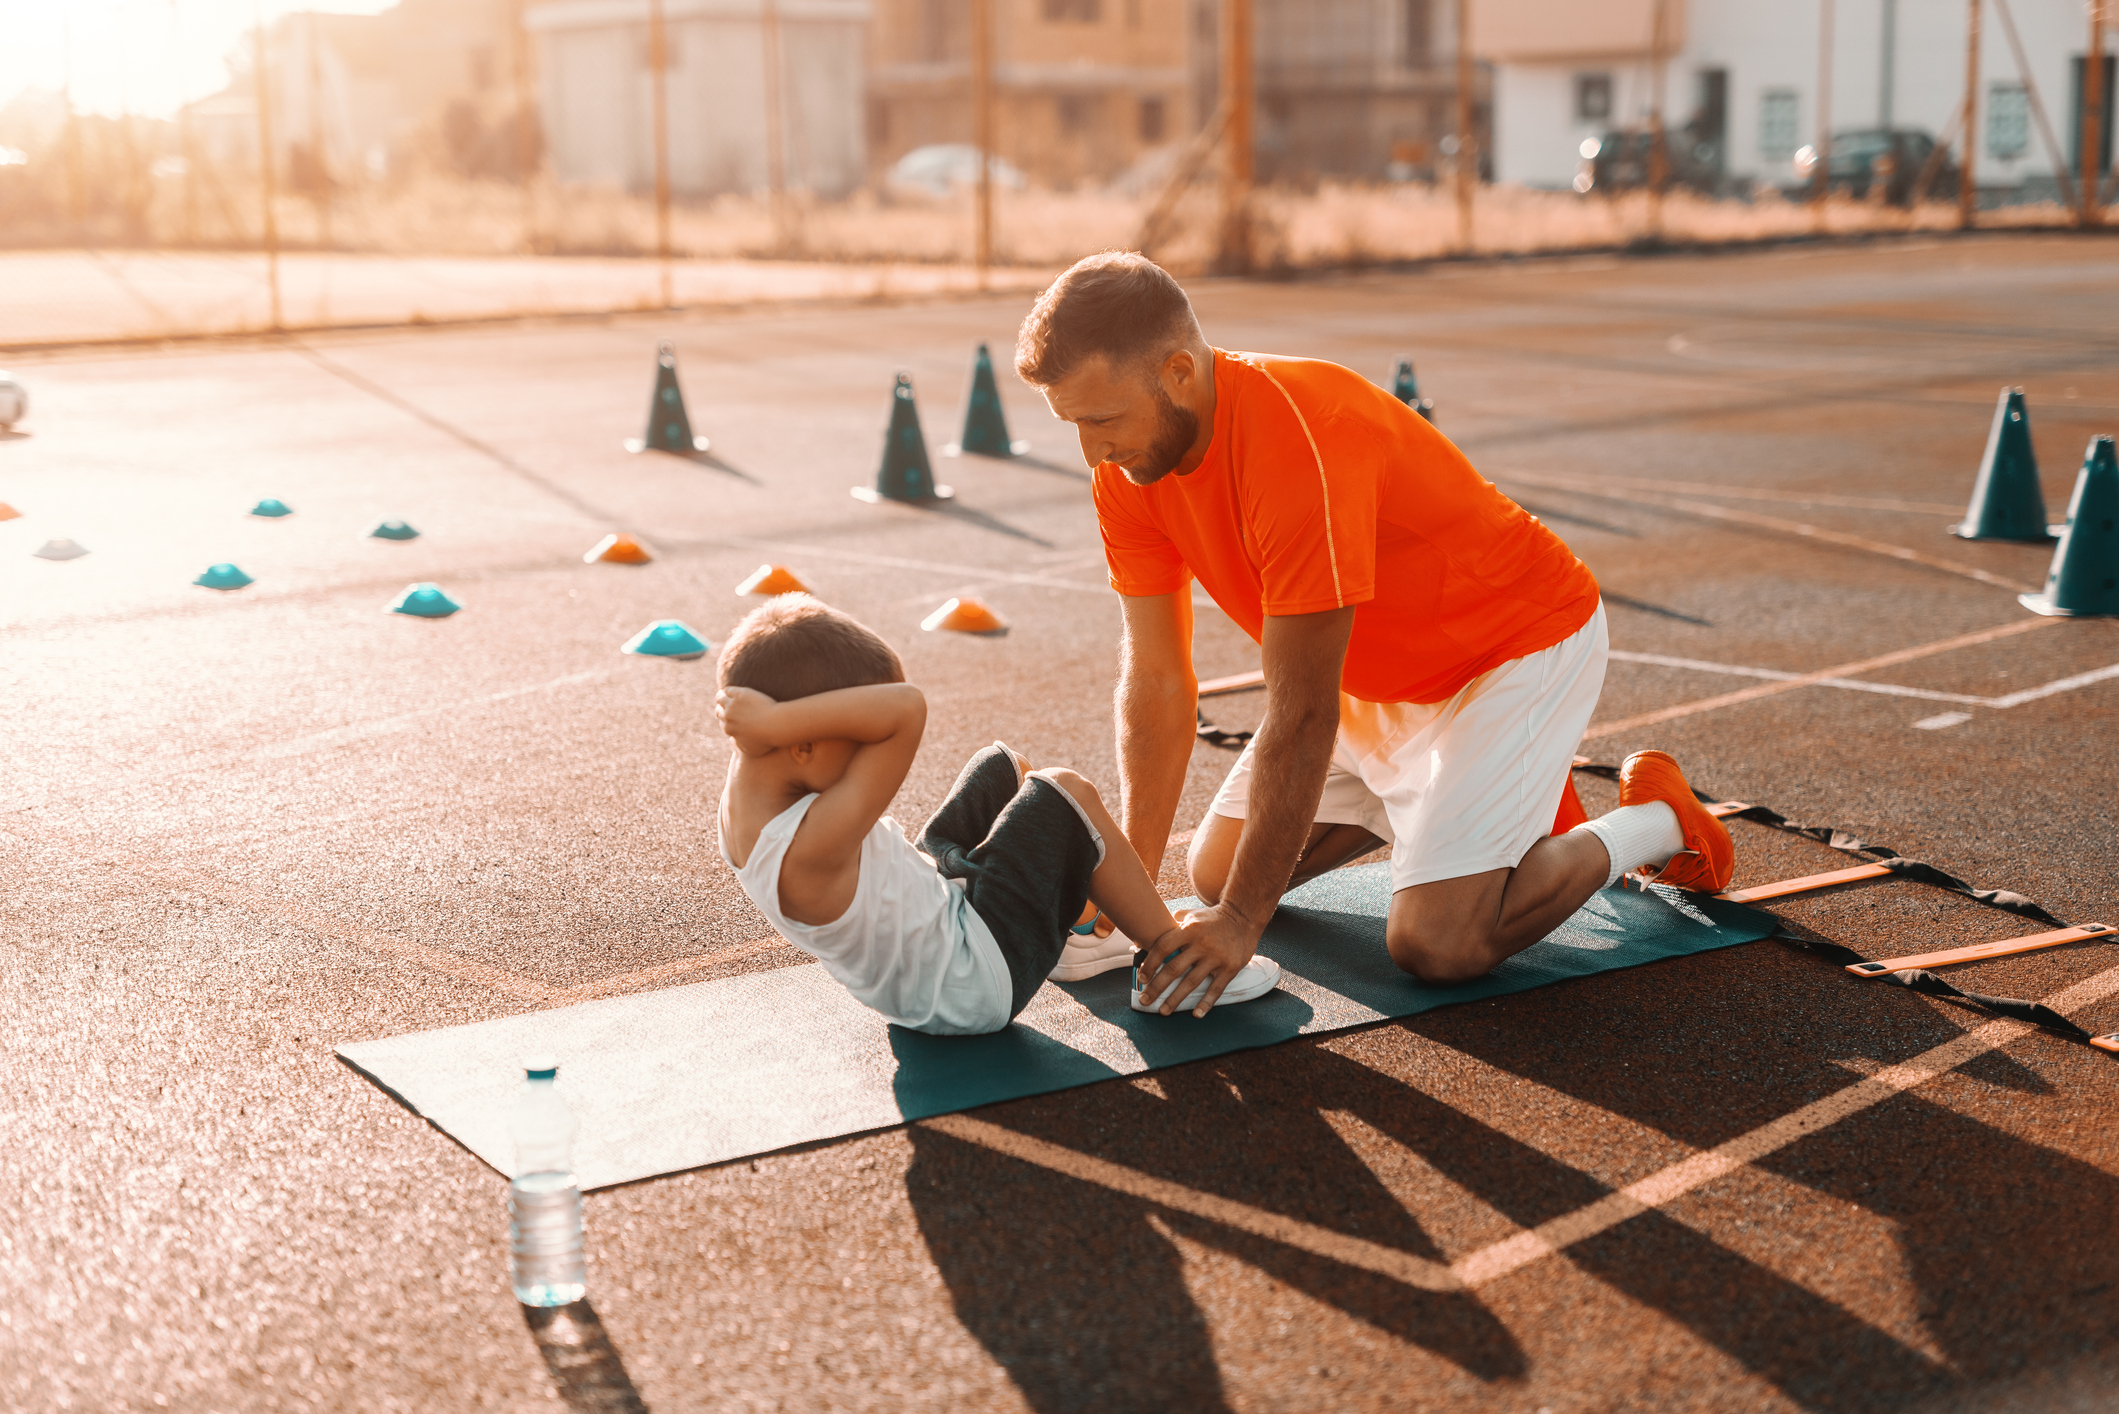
[[1858, 164], [944, 167], [1618, 162]]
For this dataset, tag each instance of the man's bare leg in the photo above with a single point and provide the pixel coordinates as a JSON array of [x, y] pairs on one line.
[[1453, 930], [1214, 847]]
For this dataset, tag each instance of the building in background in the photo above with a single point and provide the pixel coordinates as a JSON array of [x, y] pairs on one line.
[[1083, 89], [362, 96], [596, 92], [1357, 89], [1741, 82]]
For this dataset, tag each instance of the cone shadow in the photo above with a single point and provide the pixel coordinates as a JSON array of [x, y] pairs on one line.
[[587, 1372], [1037, 463]]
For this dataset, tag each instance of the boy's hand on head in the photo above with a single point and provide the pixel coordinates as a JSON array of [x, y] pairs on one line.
[[742, 712]]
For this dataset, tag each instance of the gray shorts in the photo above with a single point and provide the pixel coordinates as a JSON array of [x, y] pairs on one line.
[[1025, 852]]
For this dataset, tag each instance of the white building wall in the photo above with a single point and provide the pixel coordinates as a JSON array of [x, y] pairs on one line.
[[598, 93], [1769, 47]]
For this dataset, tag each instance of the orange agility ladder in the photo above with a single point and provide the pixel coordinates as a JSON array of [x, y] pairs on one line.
[[2000, 947]]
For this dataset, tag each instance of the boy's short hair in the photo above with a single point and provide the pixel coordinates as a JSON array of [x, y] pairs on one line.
[[1119, 304], [794, 645]]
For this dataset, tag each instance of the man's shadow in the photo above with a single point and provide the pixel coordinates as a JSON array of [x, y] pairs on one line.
[[1084, 1300]]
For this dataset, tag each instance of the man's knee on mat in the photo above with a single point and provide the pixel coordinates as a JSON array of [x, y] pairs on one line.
[[1437, 958], [1213, 850]]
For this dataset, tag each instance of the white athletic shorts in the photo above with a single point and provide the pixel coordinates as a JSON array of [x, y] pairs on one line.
[[1465, 785]]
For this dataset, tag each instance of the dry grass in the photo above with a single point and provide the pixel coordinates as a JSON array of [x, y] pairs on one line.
[[1335, 225]]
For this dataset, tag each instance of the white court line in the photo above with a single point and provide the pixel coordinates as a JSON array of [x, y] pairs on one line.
[[2013, 699], [1548, 1239]]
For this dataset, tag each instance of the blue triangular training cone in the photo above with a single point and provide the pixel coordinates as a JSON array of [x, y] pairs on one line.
[[2007, 503], [423, 601], [906, 474], [272, 508], [222, 577], [985, 423], [669, 427], [667, 638], [2084, 579], [393, 530], [1406, 389]]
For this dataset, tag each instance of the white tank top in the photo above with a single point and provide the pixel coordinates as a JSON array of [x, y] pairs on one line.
[[909, 945]]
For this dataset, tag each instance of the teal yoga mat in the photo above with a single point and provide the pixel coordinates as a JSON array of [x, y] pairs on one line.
[[670, 1080]]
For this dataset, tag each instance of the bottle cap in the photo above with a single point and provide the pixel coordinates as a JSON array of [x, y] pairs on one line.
[[540, 1068]]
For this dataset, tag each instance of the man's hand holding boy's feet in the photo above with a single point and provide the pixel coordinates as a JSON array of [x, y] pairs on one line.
[[742, 712], [1208, 946]]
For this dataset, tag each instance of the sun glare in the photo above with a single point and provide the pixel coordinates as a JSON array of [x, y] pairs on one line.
[[147, 57]]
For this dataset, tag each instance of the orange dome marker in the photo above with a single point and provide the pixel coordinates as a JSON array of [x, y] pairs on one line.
[[618, 550], [966, 616], [772, 579], [8, 512]]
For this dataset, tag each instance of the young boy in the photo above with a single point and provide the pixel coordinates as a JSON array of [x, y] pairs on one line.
[[952, 938]]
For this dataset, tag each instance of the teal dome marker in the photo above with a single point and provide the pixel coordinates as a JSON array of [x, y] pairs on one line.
[[393, 530], [424, 601], [222, 577], [667, 638], [272, 508]]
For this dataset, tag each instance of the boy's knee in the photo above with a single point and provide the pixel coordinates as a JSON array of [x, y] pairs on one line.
[[1073, 782]]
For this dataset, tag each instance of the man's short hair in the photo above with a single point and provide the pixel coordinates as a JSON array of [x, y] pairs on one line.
[[795, 646], [1119, 304]]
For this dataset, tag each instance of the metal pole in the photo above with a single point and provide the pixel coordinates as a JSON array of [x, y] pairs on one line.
[[319, 172], [1467, 154], [775, 124], [658, 64], [1821, 180], [1658, 140], [526, 162], [1968, 190], [2092, 190], [1238, 171], [265, 175], [982, 129], [1887, 66]]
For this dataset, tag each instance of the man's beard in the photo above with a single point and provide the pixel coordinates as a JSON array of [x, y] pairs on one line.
[[1176, 430]]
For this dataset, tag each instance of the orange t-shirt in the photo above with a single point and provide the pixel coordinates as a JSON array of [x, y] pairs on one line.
[[1321, 490]]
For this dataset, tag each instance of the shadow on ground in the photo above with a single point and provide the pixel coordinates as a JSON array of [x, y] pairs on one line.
[[587, 1373], [1079, 1293]]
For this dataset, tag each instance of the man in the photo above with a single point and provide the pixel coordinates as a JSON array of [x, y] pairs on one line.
[[1432, 653]]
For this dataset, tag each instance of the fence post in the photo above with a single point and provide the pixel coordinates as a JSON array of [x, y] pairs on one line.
[[1238, 170], [982, 130], [265, 174], [1467, 154], [2092, 124], [1968, 188], [1821, 183], [658, 65]]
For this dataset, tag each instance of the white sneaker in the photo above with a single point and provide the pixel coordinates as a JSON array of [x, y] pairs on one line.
[[1259, 976], [1086, 955]]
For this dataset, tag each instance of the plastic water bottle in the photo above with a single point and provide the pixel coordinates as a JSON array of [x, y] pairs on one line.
[[544, 1200]]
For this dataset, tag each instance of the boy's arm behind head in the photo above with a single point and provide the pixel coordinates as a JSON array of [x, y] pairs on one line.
[[885, 723]]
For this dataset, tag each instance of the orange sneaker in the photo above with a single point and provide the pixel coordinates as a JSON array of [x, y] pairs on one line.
[[1708, 859]]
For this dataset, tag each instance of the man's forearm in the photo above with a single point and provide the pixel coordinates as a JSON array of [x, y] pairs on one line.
[[1290, 756], [1155, 736]]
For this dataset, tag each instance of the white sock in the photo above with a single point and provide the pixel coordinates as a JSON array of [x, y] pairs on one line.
[[1634, 835]]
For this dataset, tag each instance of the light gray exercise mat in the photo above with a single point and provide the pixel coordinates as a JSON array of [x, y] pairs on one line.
[[670, 1080]]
